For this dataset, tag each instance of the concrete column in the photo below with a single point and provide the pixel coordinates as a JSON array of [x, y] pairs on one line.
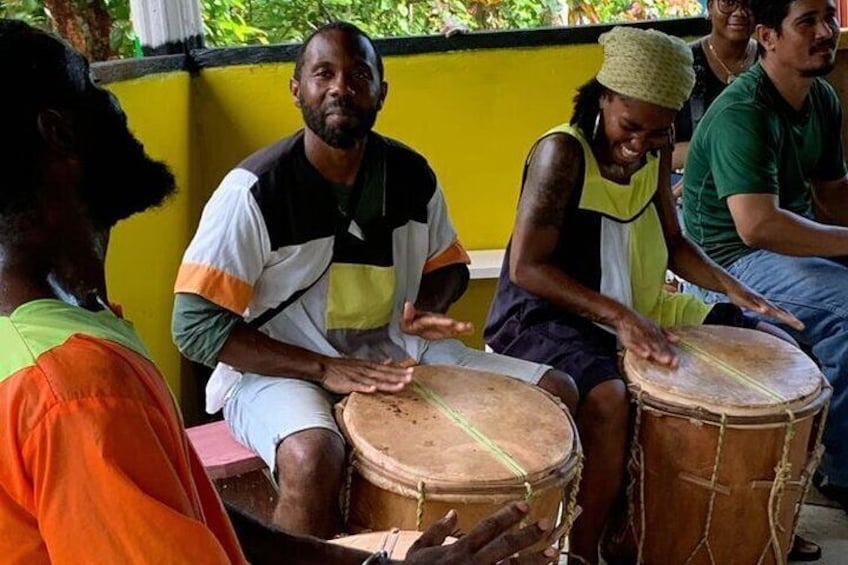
[[166, 27]]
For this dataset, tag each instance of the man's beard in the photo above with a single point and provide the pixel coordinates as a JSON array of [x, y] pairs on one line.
[[120, 179], [340, 137]]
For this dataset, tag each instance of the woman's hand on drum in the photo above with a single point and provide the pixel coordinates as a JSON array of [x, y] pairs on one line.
[[429, 325], [644, 338], [752, 301], [343, 375], [492, 541]]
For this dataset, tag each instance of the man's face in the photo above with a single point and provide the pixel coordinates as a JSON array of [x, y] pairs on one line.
[[339, 91], [808, 38], [119, 179]]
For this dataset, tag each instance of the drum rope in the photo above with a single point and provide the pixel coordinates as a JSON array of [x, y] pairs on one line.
[[731, 370], [637, 460], [815, 456], [571, 507], [465, 425], [419, 510], [348, 483], [782, 475], [705, 540]]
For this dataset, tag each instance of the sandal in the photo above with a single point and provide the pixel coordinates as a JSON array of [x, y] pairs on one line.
[[804, 550]]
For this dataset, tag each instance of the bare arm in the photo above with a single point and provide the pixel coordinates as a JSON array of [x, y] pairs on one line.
[[552, 177], [685, 258], [762, 224], [831, 200], [442, 287], [690, 262], [247, 349]]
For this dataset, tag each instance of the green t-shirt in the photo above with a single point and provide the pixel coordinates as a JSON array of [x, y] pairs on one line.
[[751, 141]]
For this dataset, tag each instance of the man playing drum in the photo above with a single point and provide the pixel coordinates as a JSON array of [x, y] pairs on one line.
[[767, 194], [322, 266]]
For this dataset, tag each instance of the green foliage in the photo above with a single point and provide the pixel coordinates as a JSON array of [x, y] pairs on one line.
[[245, 22]]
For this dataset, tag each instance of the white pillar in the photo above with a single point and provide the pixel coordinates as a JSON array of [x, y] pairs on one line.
[[167, 26]]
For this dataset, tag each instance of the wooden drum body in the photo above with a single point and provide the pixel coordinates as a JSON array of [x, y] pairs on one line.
[[724, 447], [460, 439]]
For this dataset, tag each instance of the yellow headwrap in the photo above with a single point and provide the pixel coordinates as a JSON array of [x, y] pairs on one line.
[[647, 65]]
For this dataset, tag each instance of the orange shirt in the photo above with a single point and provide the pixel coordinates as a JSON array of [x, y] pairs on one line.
[[94, 464]]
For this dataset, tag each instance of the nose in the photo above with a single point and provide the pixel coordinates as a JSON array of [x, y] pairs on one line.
[[639, 143], [342, 86], [824, 30]]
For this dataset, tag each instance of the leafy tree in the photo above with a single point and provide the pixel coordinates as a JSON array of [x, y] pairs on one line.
[[245, 22]]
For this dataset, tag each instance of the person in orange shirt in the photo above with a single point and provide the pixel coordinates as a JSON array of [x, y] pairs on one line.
[[94, 463]]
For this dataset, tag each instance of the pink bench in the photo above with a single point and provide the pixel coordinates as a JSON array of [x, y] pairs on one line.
[[222, 456], [240, 477]]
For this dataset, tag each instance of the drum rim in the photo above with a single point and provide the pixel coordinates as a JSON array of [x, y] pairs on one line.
[[464, 491], [806, 407], [667, 400]]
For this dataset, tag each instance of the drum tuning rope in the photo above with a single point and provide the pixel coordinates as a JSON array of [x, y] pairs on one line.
[[815, 458], [348, 483], [705, 540], [782, 475], [637, 461], [419, 510], [571, 507]]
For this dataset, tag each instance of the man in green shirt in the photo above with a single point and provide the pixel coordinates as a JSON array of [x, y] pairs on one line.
[[767, 193]]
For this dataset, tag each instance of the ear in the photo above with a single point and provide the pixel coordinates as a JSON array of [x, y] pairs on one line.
[[384, 91], [57, 132], [766, 36], [294, 89]]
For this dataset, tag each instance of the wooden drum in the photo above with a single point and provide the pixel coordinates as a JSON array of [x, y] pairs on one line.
[[461, 439], [724, 447]]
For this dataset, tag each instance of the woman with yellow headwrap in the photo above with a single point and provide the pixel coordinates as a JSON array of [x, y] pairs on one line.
[[595, 232]]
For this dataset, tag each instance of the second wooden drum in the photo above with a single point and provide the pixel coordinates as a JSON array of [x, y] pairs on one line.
[[724, 447]]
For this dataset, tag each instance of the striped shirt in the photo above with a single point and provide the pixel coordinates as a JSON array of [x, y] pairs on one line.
[[273, 233]]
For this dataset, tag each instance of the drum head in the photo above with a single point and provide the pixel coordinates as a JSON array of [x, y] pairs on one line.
[[732, 371], [455, 426]]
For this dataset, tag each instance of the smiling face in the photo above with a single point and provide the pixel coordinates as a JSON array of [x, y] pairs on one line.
[[731, 19], [633, 128], [806, 40], [339, 90]]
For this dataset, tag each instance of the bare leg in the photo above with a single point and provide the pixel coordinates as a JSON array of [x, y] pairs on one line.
[[602, 420], [562, 386], [310, 466]]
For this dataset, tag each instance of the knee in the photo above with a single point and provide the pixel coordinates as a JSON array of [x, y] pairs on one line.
[[562, 386], [607, 405], [310, 454]]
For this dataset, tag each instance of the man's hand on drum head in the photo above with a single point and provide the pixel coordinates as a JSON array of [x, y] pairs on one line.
[[492, 541], [343, 376], [644, 338], [429, 325], [752, 301]]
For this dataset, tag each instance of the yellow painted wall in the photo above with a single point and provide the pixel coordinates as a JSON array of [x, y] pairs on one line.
[[473, 114], [144, 251]]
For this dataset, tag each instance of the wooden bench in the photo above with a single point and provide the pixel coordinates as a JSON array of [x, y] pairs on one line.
[[239, 475]]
